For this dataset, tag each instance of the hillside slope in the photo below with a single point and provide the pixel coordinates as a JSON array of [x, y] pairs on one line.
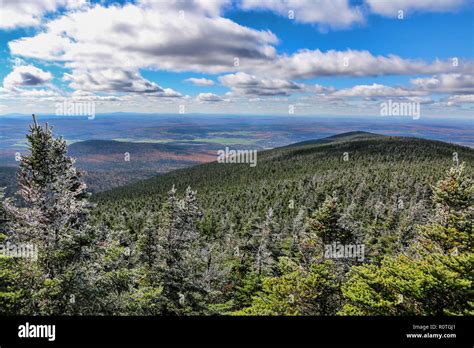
[[384, 187], [304, 159]]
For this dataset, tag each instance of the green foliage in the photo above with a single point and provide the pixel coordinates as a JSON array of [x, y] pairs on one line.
[[53, 218], [296, 291], [10, 294], [437, 278], [451, 230], [254, 242]]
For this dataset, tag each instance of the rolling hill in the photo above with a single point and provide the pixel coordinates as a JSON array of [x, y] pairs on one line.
[[108, 164], [384, 187], [250, 239]]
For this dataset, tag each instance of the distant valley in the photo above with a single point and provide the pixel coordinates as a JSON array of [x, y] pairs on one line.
[[119, 149]]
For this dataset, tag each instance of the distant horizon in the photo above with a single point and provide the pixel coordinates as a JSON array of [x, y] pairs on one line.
[[131, 113]]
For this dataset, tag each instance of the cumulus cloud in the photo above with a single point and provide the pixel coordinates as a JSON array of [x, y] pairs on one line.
[[208, 97], [91, 97], [376, 90], [104, 47], [153, 35], [330, 13], [200, 81], [306, 64], [243, 84], [27, 13], [211, 8], [116, 80], [391, 8], [249, 85], [98, 41], [27, 76], [446, 83], [138, 37], [460, 99], [28, 93]]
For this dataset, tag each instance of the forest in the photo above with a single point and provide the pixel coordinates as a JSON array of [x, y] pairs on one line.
[[231, 239]]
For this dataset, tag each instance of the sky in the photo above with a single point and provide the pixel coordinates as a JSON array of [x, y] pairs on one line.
[[250, 57]]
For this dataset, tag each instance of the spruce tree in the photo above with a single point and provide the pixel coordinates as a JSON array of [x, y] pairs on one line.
[[323, 228], [451, 228], [181, 262], [436, 278], [296, 291], [10, 294], [53, 216], [264, 258]]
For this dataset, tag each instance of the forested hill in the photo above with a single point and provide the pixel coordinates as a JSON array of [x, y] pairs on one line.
[[384, 188], [355, 224], [369, 159]]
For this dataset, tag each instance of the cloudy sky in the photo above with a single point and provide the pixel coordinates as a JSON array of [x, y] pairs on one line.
[[315, 57]]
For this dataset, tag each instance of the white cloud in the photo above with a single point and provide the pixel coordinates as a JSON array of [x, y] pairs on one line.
[[200, 81], [390, 8], [243, 84], [88, 96], [460, 99], [23, 94], [116, 80], [131, 36], [249, 85], [27, 13], [331, 13], [27, 76], [376, 90], [36, 93], [446, 83], [210, 8], [106, 46], [154, 36], [208, 97], [306, 64]]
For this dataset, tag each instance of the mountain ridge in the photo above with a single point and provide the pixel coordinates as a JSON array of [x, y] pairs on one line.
[[368, 143]]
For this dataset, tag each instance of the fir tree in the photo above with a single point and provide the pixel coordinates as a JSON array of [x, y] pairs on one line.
[[264, 259], [323, 228], [180, 260], [53, 217], [296, 291], [437, 278], [451, 229], [10, 294]]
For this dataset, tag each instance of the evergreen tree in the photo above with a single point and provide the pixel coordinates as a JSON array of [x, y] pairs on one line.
[[323, 228], [437, 278], [10, 294], [180, 260], [53, 217], [296, 291], [451, 229], [264, 258]]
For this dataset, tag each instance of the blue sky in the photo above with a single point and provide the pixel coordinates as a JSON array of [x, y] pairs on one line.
[[138, 56]]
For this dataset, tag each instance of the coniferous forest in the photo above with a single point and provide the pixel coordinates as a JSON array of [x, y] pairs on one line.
[[230, 239]]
